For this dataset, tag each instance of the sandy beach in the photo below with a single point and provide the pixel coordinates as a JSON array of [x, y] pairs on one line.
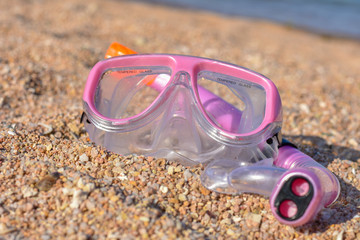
[[56, 183]]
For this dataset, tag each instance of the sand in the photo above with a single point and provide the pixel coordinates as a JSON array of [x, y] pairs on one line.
[[55, 183]]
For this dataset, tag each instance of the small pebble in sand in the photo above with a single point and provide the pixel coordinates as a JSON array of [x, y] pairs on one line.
[[47, 182], [171, 170], [164, 189], [84, 158]]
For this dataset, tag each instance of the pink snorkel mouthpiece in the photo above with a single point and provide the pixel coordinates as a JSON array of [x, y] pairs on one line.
[[303, 190]]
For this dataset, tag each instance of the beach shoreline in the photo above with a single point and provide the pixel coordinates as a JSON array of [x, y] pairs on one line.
[[56, 183], [327, 18]]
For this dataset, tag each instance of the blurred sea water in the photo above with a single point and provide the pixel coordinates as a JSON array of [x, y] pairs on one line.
[[329, 17]]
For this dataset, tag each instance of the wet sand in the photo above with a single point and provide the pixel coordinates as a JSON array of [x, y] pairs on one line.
[[55, 183]]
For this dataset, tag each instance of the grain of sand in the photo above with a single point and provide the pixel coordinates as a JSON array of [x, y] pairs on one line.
[[55, 183]]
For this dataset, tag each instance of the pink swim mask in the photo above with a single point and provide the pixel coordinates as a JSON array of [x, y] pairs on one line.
[[196, 110], [169, 106]]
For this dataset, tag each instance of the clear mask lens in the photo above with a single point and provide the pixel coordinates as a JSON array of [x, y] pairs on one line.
[[240, 109], [126, 92]]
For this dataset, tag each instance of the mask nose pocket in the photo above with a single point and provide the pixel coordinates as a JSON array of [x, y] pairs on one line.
[[176, 129]]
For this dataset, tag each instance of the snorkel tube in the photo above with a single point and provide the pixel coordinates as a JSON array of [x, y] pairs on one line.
[[297, 185]]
